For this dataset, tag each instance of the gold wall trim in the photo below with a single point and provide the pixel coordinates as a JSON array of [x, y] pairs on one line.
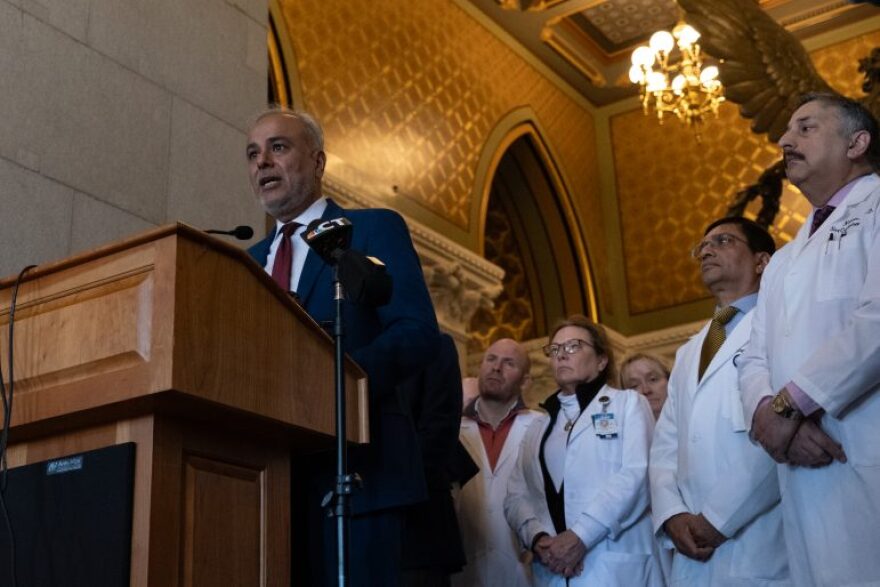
[[844, 33], [817, 15], [282, 58], [562, 37], [277, 73], [518, 123]]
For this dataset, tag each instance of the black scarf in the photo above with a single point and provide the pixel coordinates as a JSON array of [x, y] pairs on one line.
[[585, 393]]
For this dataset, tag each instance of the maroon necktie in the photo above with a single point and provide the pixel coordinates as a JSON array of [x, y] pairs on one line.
[[820, 216], [284, 256]]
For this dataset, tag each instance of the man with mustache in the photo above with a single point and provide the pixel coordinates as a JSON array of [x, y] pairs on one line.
[[286, 159], [722, 532], [810, 376], [492, 429]]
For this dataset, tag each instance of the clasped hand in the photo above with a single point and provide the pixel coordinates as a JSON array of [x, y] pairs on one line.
[[562, 554], [801, 443], [693, 535]]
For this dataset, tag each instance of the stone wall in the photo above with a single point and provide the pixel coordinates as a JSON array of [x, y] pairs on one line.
[[119, 115]]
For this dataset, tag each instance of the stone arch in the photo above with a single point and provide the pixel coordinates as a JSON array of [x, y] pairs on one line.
[[523, 198]]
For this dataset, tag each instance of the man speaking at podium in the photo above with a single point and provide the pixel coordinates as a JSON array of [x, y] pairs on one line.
[[286, 159]]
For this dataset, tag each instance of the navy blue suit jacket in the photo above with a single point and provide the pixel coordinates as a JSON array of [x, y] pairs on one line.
[[431, 536], [391, 343]]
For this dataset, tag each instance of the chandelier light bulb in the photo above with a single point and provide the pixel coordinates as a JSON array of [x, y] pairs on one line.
[[678, 84], [643, 56], [656, 82], [708, 75], [661, 42], [686, 35], [636, 74]]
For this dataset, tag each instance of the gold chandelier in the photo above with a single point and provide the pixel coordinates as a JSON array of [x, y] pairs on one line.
[[684, 87]]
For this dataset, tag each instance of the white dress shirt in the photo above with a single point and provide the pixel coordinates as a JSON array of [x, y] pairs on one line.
[[300, 249]]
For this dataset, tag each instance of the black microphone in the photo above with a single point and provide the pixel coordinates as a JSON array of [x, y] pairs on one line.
[[364, 278], [242, 233], [329, 238]]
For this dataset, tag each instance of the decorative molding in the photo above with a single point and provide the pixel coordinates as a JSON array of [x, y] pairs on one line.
[[526, 54], [569, 42], [457, 293], [662, 342], [816, 16]]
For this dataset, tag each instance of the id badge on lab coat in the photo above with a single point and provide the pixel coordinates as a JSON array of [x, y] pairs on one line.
[[605, 425]]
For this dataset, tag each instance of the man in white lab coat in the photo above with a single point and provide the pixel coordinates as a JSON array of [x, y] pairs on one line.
[[714, 494], [492, 430], [811, 373]]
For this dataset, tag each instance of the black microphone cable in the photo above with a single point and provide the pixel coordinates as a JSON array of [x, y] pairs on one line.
[[7, 419]]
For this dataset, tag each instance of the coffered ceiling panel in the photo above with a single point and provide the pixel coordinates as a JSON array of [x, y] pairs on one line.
[[620, 24]]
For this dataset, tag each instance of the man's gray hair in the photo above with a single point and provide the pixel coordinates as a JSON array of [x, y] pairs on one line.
[[854, 116], [313, 127]]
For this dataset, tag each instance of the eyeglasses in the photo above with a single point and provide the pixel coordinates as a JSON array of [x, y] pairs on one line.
[[569, 347], [717, 241]]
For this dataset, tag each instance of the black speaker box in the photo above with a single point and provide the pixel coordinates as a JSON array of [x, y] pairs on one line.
[[71, 521]]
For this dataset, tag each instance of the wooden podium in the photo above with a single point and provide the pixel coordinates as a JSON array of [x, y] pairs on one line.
[[180, 343]]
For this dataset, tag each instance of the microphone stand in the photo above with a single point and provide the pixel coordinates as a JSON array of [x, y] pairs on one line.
[[368, 284], [344, 480]]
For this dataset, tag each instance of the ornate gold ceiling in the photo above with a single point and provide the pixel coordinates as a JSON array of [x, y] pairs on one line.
[[588, 42], [419, 95]]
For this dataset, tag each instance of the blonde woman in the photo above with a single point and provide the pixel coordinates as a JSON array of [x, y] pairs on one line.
[[649, 376]]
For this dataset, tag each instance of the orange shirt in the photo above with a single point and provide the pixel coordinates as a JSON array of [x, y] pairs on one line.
[[494, 438]]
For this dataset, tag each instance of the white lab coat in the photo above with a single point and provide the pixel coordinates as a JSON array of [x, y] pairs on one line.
[[817, 323], [605, 479], [491, 548], [702, 461]]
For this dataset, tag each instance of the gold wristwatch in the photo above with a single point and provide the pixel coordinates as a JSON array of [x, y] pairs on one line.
[[784, 408]]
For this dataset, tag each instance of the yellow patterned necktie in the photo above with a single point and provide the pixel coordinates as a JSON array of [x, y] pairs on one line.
[[715, 337]]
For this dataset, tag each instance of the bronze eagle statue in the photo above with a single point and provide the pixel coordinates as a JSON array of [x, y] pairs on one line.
[[765, 70]]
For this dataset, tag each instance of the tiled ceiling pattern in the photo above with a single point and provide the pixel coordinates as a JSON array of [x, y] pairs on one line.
[[625, 22]]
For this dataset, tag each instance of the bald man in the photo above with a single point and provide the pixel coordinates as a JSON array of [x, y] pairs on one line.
[[492, 427]]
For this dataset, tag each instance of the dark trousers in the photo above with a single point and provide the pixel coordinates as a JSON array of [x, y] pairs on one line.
[[424, 578], [374, 544]]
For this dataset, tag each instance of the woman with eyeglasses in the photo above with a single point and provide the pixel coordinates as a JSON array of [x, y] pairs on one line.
[[579, 497]]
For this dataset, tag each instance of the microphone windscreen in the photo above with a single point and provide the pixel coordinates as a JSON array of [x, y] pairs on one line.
[[328, 238], [243, 233]]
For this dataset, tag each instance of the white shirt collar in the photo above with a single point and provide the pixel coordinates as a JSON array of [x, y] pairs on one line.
[[313, 212]]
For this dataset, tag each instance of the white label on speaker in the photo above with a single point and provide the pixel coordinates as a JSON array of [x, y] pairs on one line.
[[64, 465]]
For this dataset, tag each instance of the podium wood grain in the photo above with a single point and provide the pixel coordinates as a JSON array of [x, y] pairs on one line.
[[180, 343]]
